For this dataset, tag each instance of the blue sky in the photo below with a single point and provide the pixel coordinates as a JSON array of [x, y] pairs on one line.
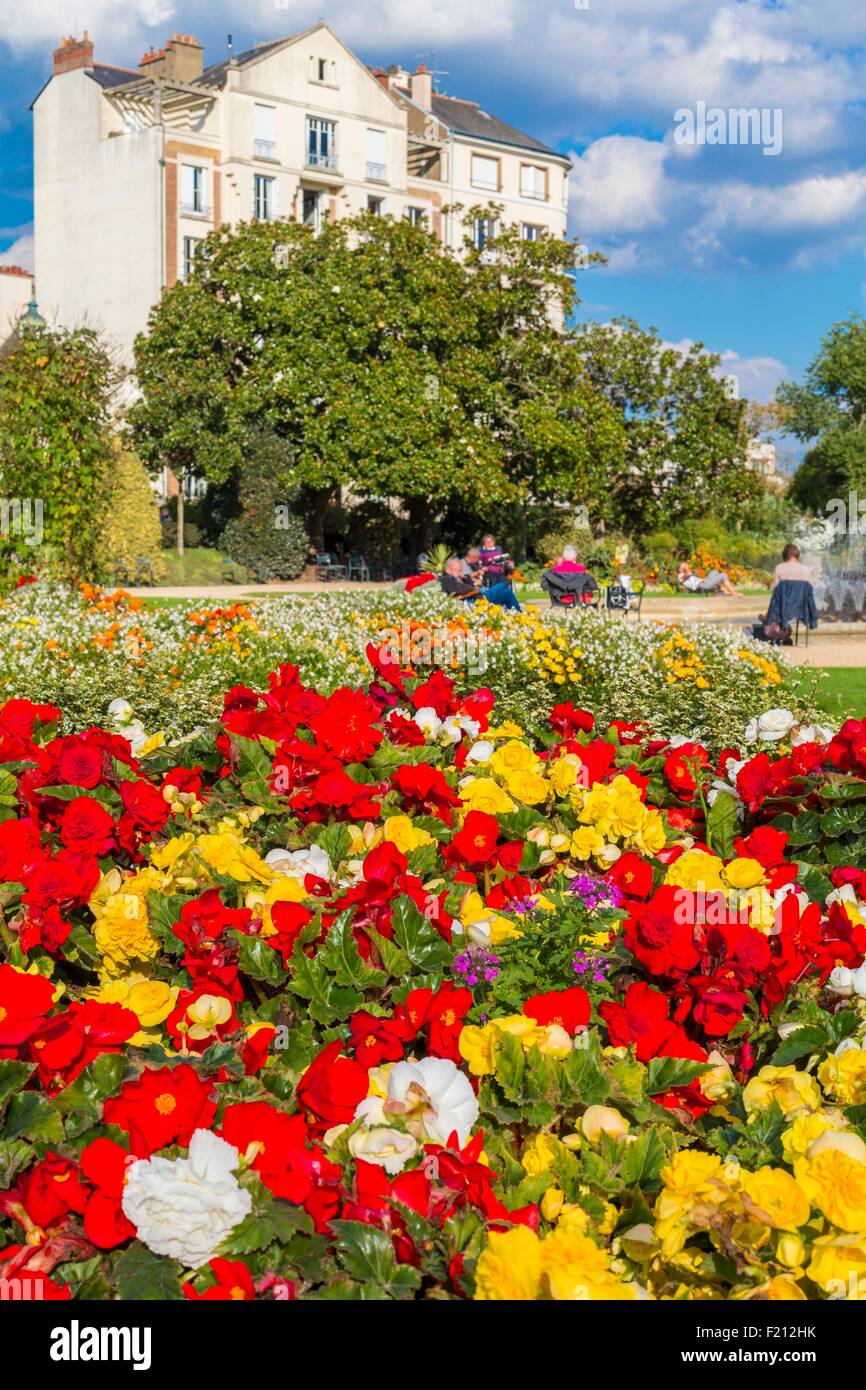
[[754, 255]]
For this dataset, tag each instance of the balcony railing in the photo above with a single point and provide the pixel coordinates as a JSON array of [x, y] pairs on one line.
[[266, 149], [376, 172], [317, 160]]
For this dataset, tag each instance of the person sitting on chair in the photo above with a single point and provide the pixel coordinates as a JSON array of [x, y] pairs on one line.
[[792, 567], [713, 583], [496, 563], [567, 562], [470, 566], [452, 582]]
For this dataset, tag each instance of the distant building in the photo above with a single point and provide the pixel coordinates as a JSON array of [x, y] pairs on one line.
[[761, 458], [134, 166], [16, 287]]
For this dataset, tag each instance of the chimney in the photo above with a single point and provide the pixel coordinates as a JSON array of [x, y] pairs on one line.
[[73, 53], [182, 58], [421, 87]]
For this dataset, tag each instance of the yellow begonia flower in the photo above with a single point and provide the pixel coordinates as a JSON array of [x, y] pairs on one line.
[[494, 929], [476, 1046], [513, 756], [507, 729], [483, 794], [651, 837], [844, 1077], [836, 1184], [541, 1153], [168, 856], [838, 1265], [744, 873], [779, 1200], [122, 933], [797, 1140], [574, 1267], [564, 774], [585, 842], [400, 831], [796, 1091], [696, 870], [509, 1267], [527, 786], [228, 855], [690, 1179]]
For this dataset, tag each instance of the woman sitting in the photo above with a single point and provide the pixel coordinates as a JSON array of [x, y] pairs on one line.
[[713, 583]]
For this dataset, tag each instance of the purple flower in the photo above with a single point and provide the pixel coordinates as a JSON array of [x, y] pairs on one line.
[[595, 892], [587, 963], [474, 965]]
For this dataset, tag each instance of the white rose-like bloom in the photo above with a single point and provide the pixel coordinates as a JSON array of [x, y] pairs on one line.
[[812, 733], [391, 1149], [185, 1207], [841, 980], [120, 711], [456, 725], [428, 721], [434, 1099], [770, 727], [480, 752], [297, 863]]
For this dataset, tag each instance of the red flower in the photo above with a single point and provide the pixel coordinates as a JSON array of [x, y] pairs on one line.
[[565, 719], [766, 844], [332, 1086], [104, 1164], [145, 806], [162, 1107], [289, 920], [24, 1002], [570, 1008], [273, 1143], [755, 781], [65, 1044], [476, 842], [346, 725], [234, 1283], [51, 1189], [658, 937], [632, 875], [642, 1019], [193, 1023], [443, 1019], [19, 846], [79, 761], [377, 1040], [679, 768], [424, 788], [86, 827], [718, 1006]]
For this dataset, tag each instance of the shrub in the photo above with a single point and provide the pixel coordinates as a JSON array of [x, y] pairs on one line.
[[132, 528], [373, 530]]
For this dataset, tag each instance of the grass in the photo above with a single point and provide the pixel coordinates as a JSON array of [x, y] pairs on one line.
[[198, 565], [842, 692]]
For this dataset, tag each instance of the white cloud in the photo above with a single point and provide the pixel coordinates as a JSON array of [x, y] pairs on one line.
[[19, 253], [618, 185]]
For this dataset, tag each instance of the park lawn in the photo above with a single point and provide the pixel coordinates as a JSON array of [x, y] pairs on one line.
[[842, 692]]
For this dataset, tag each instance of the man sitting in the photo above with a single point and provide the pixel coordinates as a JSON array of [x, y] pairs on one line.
[[713, 583], [470, 566], [453, 582]]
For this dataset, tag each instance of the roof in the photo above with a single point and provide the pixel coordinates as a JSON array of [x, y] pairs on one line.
[[215, 75], [468, 118], [109, 76], [16, 270]]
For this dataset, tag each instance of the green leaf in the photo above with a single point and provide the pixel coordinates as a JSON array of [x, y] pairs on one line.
[[815, 884], [423, 945], [145, 1277], [645, 1158], [366, 1253], [15, 1156], [259, 960], [664, 1073], [270, 1221], [328, 1001], [341, 955], [99, 1080], [510, 1064], [13, 1075], [800, 1044], [723, 824], [35, 1117]]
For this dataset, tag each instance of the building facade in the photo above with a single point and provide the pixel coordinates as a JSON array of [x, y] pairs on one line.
[[134, 167], [16, 287]]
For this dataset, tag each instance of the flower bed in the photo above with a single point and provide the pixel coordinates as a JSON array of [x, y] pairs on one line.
[[81, 650], [371, 995]]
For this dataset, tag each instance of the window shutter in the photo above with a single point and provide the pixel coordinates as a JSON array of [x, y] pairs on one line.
[[485, 172], [275, 197], [265, 123], [187, 185], [375, 147]]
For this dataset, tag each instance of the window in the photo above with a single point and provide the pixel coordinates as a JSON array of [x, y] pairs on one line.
[[264, 198], [531, 231], [533, 181], [322, 67], [485, 228], [190, 246], [265, 129], [376, 155], [193, 195], [321, 143], [417, 216], [375, 205], [485, 172], [311, 208]]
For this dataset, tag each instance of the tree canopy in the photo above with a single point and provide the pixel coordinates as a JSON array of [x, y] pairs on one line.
[[829, 408]]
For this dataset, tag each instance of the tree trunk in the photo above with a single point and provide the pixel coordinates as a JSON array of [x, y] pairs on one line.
[[180, 501], [422, 519], [318, 500]]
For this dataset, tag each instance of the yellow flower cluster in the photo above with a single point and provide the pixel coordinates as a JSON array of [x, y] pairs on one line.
[[121, 929], [679, 657], [768, 670], [552, 653], [612, 817], [565, 1266], [151, 1000], [479, 1046], [740, 884], [518, 767]]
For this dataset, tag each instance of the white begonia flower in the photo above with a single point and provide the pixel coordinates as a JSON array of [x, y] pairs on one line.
[[677, 740], [770, 727], [456, 725], [428, 721], [811, 733], [297, 863], [185, 1207], [480, 752], [371, 1110], [120, 711], [391, 1149], [433, 1098], [841, 980]]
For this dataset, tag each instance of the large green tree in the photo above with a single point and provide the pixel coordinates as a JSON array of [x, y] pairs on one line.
[[681, 434], [56, 390], [828, 409], [356, 347]]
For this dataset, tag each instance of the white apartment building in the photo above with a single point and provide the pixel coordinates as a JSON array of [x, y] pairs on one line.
[[133, 167], [16, 288]]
